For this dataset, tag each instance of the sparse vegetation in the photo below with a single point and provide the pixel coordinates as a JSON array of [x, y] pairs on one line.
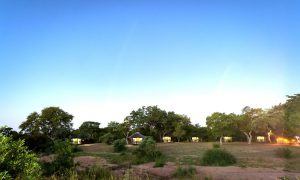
[[283, 153], [184, 172]]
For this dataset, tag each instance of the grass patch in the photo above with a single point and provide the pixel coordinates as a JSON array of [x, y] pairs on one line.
[[181, 172], [283, 153], [160, 161], [218, 157], [216, 146]]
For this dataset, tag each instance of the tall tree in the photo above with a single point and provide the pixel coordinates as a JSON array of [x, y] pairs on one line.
[[53, 122], [221, 124], [89, 131], [179, 131], [251, 120], [292, 115]]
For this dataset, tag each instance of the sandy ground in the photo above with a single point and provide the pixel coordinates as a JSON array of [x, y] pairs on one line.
[[221, 173], [216, 173]]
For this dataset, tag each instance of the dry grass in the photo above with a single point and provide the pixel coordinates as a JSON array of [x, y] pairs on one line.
[[255, 155]]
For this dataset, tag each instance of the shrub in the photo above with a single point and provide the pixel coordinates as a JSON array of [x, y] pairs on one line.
[[96, 172], [16, 161], [218, 157], [119, 145], [107, 138], [283, 153], [184, 172], [63, 162], [216, 145], [160, 161], [146, 151]]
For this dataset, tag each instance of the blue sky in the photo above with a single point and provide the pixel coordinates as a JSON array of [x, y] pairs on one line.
[[99, 60]]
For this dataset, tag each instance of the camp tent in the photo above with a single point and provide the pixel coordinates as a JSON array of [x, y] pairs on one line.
[[195, 139], [136, 138], [167, 139], [261, 139], [227, 139], [76, 141]]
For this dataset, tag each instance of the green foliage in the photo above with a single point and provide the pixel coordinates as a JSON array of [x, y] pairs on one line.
[[221, 124], [217, 157], [107, 138], [292, 115], [119, 145], [96, 173], [184, 172], [179, 131], [16, 160], [89, 131], [146, 151], [160, 161], [63, 162], [216, 146], [53, 122], [283, 153]]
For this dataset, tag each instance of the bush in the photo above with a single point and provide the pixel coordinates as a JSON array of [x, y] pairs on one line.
[[283, 153], [16, 161], [218, 157], [96, 172], [63, 162], [216, 146], [185, 172], [107, 138], [119, 145], [146, 151], [160, 161]]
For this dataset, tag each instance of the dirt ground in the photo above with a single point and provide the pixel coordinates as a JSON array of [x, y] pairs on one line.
[[221, 173], [255, 162], [202, 172]]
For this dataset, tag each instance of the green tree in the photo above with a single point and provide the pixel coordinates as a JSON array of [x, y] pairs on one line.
[[252, 120], [221, 124], [292, 115], [89, 131], [53, 122], [16, 161], [179, 131]]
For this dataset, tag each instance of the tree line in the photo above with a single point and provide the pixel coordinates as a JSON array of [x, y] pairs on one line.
[[39, 130]]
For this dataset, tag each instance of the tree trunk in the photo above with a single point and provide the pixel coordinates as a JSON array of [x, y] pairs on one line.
[[221, 140], [269, 136], [249, 136]]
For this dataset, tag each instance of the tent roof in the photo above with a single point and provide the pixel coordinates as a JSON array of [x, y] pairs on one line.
[[137, 134]]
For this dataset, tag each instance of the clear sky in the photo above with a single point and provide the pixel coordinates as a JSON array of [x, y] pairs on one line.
[[99, 60]]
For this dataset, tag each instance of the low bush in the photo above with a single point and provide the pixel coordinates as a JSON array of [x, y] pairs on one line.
[[283, 153], [216, 146], [217, 157], [95, 173], [160, 161], [184, 172], [63, 162], [119, 145], [146, 151]]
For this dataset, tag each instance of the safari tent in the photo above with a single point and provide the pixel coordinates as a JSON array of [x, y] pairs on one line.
[[227, 139], [195, 139], [167, 139], [76, 141], [136, 138], [260, 139]]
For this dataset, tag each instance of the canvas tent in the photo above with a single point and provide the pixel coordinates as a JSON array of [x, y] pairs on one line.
[[136, 138], [167, 139]]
